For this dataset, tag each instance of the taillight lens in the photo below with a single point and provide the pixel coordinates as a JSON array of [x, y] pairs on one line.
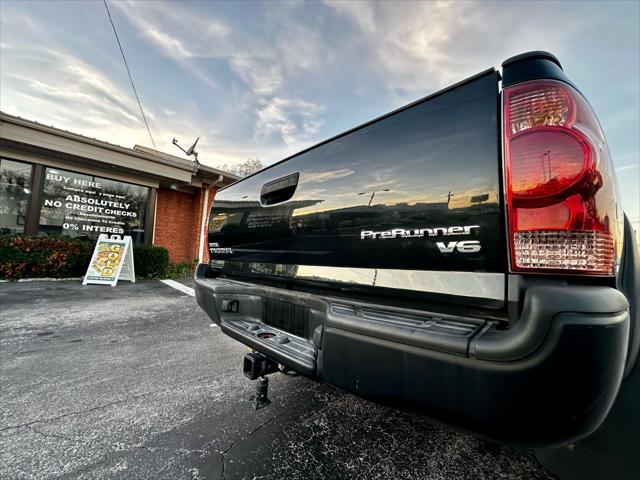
[[560, 189], [545, 162]]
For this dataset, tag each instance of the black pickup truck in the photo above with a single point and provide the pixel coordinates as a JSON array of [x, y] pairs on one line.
[[464, 256]]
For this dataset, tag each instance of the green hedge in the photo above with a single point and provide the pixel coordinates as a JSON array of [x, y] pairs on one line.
[[61, 257], [150, 261], [182, 270]]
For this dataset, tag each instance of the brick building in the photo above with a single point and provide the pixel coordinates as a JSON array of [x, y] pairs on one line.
[[56, 182]]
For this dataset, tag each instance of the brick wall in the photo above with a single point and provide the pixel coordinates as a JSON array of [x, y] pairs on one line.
[[177, 223], [178, 228]]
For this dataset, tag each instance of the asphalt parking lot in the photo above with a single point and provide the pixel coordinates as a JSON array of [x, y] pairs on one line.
[[132, 382]]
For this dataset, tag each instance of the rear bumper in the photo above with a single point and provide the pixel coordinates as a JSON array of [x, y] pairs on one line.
[[549, 380]]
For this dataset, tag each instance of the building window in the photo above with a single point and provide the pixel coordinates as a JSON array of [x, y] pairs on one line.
[[15, 192], [85, 206]]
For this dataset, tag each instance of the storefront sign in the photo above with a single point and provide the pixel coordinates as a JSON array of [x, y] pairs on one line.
[[82, 205], [112, 260]]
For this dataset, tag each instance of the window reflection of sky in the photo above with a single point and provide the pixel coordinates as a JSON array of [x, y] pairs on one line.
[[443, 150]]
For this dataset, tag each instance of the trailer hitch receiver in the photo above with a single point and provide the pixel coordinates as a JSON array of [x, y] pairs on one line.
[[255, 367]]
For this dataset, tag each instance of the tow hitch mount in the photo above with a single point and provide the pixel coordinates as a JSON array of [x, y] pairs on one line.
[[255, 367]]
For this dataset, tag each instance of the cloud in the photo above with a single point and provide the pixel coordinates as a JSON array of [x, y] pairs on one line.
[[23, 21], [625, 168], [265, 69], [178, 31], [168, 43], [43, 81], [80, 88], [311, 176], [427, 45], [56, 88], [262, 75], [292, 120]]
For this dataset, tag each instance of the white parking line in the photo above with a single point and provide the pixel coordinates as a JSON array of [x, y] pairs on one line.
[[179, 286], [184, 289]]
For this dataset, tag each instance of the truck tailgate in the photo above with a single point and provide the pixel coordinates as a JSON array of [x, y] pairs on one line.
[[410, 200]]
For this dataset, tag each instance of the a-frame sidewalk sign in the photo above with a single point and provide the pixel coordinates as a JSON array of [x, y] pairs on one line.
[[112, 260]]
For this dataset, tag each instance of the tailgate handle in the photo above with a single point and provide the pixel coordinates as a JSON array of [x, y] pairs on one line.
[[279, 190]]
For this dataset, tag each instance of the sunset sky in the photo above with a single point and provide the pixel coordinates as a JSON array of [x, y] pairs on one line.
[[268, 79]]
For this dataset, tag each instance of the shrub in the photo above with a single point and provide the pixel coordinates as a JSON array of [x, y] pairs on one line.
[[182, 270], [150, 261], [23, 256], [33, 257]]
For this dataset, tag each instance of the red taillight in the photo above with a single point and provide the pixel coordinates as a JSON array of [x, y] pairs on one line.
[[545, 162], [560, 191]]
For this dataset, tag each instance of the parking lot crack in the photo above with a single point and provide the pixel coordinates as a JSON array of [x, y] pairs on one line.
[[245, 437], [55, 435], [84, 469], [90, 410]]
